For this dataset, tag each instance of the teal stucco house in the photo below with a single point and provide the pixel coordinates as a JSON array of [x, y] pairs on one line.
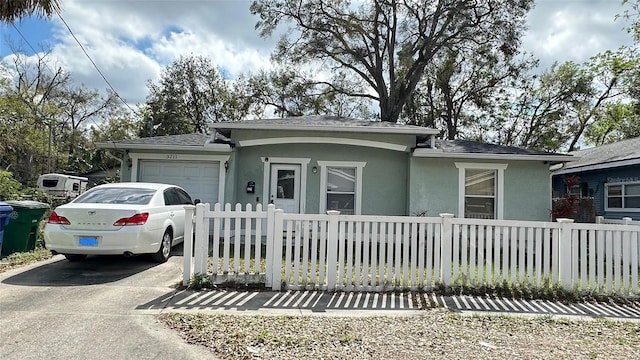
[[312, 164]]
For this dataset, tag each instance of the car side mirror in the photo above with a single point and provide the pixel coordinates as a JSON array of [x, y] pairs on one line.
[[196, 201]]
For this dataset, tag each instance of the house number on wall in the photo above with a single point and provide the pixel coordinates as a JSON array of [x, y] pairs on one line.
[[172, 156]]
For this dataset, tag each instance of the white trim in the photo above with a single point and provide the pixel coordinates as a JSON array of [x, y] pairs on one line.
[[430, 153], [205, 147], [168, 157], [606, 197], [499, 198], [266, 178], [296, 188], [597, 166], [322, 140], [415, 130], [323, 182]]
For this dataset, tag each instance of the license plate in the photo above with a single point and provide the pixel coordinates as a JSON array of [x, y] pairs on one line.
[[88, 241]]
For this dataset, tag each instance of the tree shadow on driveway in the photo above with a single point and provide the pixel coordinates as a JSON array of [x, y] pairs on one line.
[[91, 271]]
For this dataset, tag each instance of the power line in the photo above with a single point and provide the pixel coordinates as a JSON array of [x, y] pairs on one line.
[[44, 62], [94, 64]]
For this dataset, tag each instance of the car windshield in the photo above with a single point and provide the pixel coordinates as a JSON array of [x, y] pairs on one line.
[[133, 196]]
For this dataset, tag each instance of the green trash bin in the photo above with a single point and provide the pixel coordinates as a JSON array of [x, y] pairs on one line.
[[21, 234]]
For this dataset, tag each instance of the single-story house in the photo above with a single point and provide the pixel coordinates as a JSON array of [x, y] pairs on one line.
[[312, 164], [610, 174]]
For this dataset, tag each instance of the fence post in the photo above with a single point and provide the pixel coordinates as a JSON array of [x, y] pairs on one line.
[[626, 220], [446, 241], [564, 254], [332, 248], [187, 252], [276, 267], [599, 219], [269, 245], [201, 241]]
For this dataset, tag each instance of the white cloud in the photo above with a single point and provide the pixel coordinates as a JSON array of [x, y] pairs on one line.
[[574, 30], [131, 41]]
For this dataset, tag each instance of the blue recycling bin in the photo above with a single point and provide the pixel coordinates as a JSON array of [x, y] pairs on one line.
[[5, 211]]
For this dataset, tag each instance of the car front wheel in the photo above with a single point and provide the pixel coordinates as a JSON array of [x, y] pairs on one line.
[[165, 248]]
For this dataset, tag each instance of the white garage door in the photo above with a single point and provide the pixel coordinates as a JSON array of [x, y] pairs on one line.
[[198, 178]]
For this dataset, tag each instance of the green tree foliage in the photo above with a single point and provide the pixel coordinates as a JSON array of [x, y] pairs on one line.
[[617, 121], [80, 106], [31, 91], [119, 125], [9, 187], [462, 84], [386, 45], [553, 111], [288, 92], [44, 119], [190, 94]]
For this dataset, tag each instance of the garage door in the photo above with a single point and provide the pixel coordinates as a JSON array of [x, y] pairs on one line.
[[198, 178]]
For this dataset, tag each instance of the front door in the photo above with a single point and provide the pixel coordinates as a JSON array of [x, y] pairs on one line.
[[285, 187]]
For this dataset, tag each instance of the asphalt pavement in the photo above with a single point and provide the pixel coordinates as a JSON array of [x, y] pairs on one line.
[[106, 307]]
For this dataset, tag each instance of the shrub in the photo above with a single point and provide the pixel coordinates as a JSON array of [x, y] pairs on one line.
[[567, 206], [9, 187]]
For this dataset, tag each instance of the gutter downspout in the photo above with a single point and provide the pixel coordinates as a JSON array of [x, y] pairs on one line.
[[111, 156]]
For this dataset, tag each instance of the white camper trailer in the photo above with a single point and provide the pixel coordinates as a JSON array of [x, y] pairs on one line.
[[62, 186]]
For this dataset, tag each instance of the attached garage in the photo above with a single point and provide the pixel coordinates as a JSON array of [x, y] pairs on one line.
[[199, 163], [201, 179]]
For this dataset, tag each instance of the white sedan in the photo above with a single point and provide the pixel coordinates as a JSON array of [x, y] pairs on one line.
[[120, 218]]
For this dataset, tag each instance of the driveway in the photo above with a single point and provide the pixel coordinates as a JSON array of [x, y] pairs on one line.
[[90, 310]]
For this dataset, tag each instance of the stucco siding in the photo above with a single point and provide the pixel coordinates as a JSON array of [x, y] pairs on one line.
[[434, 188], [527, 191], [383, 182]]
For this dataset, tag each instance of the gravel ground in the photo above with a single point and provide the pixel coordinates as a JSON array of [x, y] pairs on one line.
[[436, 332]]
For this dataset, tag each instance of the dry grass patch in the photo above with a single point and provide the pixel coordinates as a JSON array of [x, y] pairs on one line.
[[437, 332], [24, 258]]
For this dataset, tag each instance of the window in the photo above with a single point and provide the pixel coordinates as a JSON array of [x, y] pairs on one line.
[[623, 197], [133, 196], [184, 197], [341, 186], [481, 188], [480, 194], [170, 197], [50, 182]]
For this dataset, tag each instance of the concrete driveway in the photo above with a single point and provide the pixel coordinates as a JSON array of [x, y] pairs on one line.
[[90, 310]]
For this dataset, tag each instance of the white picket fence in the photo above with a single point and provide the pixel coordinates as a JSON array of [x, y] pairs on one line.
[[381, 253]]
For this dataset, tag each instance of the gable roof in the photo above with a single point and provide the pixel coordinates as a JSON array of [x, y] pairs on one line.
[[478, 150], [443, 148], [172, 142], [322, 123], [621, 153]]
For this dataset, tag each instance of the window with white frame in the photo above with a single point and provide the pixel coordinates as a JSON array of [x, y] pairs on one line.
[[341, 186], [481, 188], [623, 196]]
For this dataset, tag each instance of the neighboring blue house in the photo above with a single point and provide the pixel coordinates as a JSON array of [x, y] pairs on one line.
[[312, 164], [610, 174]]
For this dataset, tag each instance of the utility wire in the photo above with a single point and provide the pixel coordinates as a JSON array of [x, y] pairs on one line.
[[94, 64], [44, 62]]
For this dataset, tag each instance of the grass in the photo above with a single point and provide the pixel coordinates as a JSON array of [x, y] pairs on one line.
[[434, 333], [24, 258]]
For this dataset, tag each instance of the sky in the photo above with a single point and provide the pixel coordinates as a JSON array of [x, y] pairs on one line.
[[130, 41]]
